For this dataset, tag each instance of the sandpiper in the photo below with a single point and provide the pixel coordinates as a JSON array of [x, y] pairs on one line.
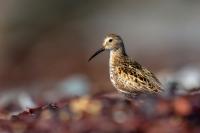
[[127, 75]]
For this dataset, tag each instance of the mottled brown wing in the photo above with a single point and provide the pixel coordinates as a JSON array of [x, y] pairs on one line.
[[150, 74], [153, 78], [146, 79]]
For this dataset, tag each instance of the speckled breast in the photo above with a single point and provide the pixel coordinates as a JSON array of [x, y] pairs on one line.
[[115, 80]]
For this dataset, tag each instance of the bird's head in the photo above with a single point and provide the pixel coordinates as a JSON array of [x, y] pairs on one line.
[[111, 42]]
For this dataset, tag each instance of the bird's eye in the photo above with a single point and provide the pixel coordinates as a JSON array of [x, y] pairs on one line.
[[110, 40]]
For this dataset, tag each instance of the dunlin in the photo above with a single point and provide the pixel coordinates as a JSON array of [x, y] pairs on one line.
[[127, 75]]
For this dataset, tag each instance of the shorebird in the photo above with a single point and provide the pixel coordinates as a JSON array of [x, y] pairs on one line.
[[127, 75]]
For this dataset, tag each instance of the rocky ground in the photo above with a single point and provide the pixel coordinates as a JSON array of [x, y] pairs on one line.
[[107, 114]]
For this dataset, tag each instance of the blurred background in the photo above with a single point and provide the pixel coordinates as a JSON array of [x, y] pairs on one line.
[[45, 45]]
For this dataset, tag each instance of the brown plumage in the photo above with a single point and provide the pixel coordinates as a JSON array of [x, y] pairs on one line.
[[128, 76]]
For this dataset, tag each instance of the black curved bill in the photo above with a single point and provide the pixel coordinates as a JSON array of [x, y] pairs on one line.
[[96, 53]]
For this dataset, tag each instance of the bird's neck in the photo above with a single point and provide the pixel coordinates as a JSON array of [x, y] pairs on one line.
[[116, 55]]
